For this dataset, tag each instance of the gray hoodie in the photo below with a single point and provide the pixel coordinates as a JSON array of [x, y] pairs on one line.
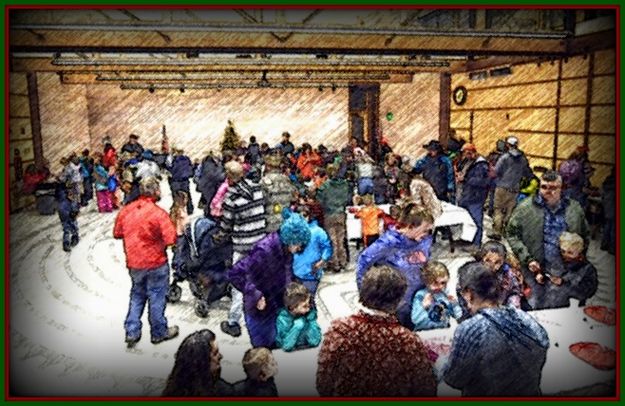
[[511, 168]]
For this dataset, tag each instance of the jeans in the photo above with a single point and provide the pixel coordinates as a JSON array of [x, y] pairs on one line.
[[236, 307], [476, 211], [365, 186], [312, 286], [70, 229], [505, 201], [148, 285], [87, 195], [183, 186]]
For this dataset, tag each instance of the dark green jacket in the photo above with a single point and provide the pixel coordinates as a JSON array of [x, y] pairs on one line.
[[525, 228], [334, 195]]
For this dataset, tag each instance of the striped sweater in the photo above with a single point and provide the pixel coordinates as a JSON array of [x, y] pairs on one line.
[[243, 215]]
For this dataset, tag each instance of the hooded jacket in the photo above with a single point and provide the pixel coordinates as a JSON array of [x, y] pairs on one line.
[[397, 251], [510, 169], [475, 185], [498, 352], [319, 247]]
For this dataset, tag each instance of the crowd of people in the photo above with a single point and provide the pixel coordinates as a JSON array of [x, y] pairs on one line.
[[277, 218]]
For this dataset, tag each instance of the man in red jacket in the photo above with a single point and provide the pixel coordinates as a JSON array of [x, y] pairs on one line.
[[147, 231]]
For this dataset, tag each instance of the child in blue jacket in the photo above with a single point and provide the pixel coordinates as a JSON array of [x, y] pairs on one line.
[[432, 306], [296, 325], [308, 265]]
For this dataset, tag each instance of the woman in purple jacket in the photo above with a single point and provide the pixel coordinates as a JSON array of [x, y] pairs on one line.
[[262, 276], [406, 247]]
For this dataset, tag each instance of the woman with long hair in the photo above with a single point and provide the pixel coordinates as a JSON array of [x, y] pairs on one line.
[[197, 368]]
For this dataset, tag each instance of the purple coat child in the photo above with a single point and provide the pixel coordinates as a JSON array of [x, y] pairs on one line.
[[262, 276]]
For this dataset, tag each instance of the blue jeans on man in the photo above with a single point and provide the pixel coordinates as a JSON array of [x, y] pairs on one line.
[[476, 211], [151, 286]]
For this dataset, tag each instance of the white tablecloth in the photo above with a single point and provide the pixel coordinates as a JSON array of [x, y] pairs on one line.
[[454, 216], [562, 371]]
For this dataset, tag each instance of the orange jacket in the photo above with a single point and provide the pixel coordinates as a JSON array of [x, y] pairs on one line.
[[146, 230], [307, 164], [369, 218]]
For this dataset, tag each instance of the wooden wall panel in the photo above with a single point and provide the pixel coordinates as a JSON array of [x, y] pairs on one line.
[[195, 120], [460, 119], [573, 92], [602, 149], [491, 101], [18, 84], [536, 144], [602, 119], [64, 118], [545, 163], [572, 119], [463, 135], [575, 67], [19, 106], [567, 144], [529, 119], [19, 129], [605, 61], [488, 127], [603, 89], [542, 94], [601, 172], [415, 108]]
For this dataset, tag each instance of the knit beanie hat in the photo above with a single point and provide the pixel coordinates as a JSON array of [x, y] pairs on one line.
[[294, 229]]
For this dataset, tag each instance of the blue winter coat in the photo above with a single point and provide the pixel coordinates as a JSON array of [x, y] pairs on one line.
[[425, 319], [439, 172], [181, 169], [396, 250], [476, 183], [319, 247], [68, 209]]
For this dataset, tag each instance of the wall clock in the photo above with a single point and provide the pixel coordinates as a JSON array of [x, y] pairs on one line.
[[460, 95]]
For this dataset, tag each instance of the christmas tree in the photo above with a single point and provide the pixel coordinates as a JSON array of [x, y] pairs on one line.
[[231, 140]]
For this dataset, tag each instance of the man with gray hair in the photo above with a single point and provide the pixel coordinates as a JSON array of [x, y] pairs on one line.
[[534, 230], [146, 231]]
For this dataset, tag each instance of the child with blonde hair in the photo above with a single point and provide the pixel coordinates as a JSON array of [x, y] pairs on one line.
[[576, 279], [260, 367], [369, 218], [433, 306]]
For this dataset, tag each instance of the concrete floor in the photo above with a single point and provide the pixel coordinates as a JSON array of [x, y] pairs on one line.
[[67, 312]]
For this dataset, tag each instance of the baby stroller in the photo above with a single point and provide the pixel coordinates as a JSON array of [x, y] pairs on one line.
[[203, 263]]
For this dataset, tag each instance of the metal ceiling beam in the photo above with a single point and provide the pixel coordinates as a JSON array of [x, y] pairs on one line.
[[151, 41], [285, 28], [230, 77], [218, 86], [45, 65]]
